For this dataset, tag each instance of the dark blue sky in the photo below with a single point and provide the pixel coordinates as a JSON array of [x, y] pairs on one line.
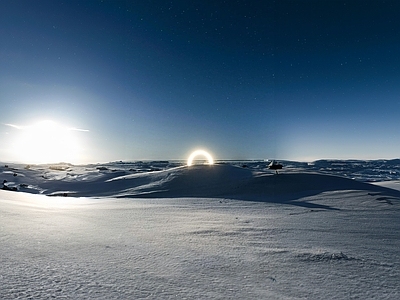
[[243, 79]]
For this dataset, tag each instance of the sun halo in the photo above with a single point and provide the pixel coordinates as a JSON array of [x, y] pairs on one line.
[[202, 153]]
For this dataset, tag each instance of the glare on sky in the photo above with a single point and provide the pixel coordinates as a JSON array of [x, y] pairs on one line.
[[46, 142]]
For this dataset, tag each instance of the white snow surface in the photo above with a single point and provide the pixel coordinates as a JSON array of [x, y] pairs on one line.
[[162, 230]]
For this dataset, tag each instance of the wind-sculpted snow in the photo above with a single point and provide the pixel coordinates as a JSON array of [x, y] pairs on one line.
[[369, 170], [217, 181], [161, 230], [198, 248]]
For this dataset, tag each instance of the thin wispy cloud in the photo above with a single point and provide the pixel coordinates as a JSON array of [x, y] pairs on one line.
[[19, 127], [14, 126], [78, 129]]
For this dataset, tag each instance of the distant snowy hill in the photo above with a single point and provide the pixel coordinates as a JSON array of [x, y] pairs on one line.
[[251, 180]]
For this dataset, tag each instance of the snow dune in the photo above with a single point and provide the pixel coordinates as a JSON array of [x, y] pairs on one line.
[[199, 232], [217, 181]]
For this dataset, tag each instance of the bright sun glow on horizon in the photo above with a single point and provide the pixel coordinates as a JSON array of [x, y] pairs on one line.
[[46, 142], [202, 153]]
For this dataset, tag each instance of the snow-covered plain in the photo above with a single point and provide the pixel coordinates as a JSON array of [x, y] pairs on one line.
[[233, 230]]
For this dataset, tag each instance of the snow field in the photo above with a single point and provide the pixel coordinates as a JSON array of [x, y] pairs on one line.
[[204, 232], [198, 248]]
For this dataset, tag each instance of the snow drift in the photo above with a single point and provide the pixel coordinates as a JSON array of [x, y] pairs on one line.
[[166, 231], [217, 181]]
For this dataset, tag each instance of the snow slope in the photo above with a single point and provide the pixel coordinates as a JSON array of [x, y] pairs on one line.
[[205, 232], [219, 180]]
